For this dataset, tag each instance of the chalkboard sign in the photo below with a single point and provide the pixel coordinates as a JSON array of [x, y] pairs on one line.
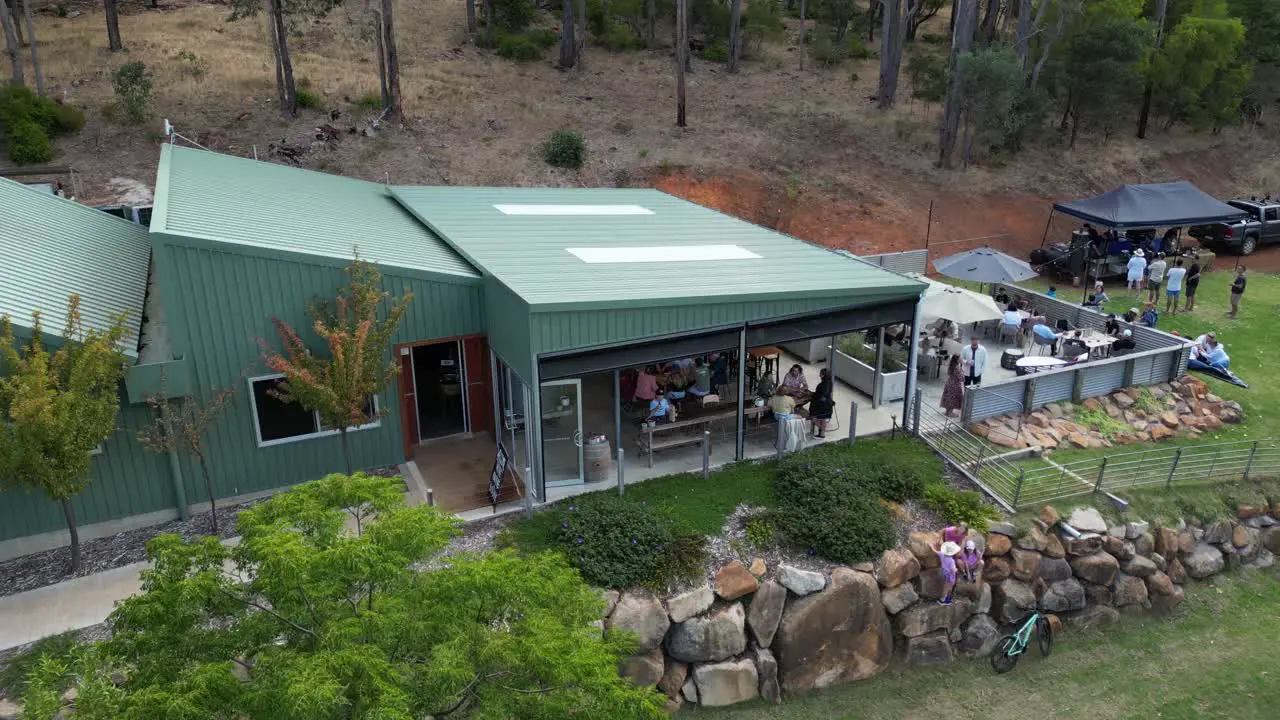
[[500, 464]]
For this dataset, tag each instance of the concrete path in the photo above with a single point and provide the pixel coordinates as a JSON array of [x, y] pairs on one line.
[[71, 605]]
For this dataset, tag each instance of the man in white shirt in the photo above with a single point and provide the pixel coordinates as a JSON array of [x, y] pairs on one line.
[[974, 358], [1173, 288], [1155, 277], [1137, 268]]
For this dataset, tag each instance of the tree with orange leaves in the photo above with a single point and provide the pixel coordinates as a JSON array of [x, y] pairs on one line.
[[338, 385]]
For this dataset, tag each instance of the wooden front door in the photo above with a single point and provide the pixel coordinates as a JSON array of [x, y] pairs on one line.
[[475, 350]]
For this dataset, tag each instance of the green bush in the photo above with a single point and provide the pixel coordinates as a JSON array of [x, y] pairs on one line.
[[623, 544], [29, 143], [935, 39], [565, 149], [132, 83], [311, 99], [761, 532], [618, 38], [513, 15], [895, 482], [192, 65], [858, 50], [959, 506], [824, 51], [371, 100], [715, 52], [519, 48], [543, 37], [928, 74], [68, 118], [826, 509]]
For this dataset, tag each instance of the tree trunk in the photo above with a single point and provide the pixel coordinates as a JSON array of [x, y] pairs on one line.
[[735, 34], [31, 39], [682, 56], [961, 41], [1048, 41], [395, 109], [70, 515], [875, 11], [803, 52], [1075, 130], [989, 22], [582, 34], [1022, 37], [288, 91], [568, 36], [651, 15], [113, 26], [1162, 7], [890, 54], [346, 450], [208, 488], [488, 23], [383, 94], [275, 54], [471, 17], [12, 47]]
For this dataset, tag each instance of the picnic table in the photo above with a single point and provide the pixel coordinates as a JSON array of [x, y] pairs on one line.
[[1097, 343], [649, 444]]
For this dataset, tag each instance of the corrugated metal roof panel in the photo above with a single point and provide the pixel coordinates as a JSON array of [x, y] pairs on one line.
[[53, 247], [236, 200], [529, 251]]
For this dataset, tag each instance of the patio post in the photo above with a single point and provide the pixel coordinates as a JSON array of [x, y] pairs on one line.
[[777, 424], [878, 378], [497, 399], [528, 496], [617, 411], [831, 359], [853, 422], [706, 454], [621, 484], [739, 448], [912, 355]]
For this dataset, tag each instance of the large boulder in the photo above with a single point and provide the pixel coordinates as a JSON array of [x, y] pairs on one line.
[[643, 616], [1093, 616], [1049, 516], [673, 679], [1130, 590], [1159, 583], [1099, 568], [1034, 539], [1011, 600], [1054, 548], [1141, 567], [734, 581], [921, 546], [610, 598], [838, 635], [1219, 533], [767, 670], [726, 683], [1165, 603], [1002, 528], [643, 670], [1087, 519], [1186, 541], [896, 566], [929, 650], [1026, 564], [766, 612], [930, 616], [1204, 560], [1053, 570], [801, 582], [1063, 596], [1271, 538], [1098, 594], [1085, 545], [980, 636], [687, 604], [997, 569], [708, 638], [1144, 545], [899, 598], [1176, 572], [1167, 542], [1136, 528], [998, 545]]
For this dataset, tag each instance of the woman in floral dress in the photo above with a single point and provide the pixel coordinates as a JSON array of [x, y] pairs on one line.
[[953, 391]]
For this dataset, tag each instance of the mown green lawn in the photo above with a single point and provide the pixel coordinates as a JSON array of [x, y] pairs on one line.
[[1215, 657]]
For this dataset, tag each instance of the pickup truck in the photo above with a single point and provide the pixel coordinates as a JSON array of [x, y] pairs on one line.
[[1243, 236]]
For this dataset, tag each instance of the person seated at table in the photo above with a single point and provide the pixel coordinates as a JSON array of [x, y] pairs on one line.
[[1130, 315], [795, 385], [1112, 326], [1051, 292], [1216, 358], [782, 405], [1002, 297], [1092, 302], [720, 372], [1045, 332], [1012, 321], [647, 385], [701, 379], [766, 386], [660, 410], [1150, 316], [1125, 342], [1100, 293], [896, 334], [944, 329]]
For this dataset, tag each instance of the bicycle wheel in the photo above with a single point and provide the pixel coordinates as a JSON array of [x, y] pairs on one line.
[[1044, 636], [1005, 656]]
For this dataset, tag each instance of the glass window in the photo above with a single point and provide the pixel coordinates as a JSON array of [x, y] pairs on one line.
[[277, 421]]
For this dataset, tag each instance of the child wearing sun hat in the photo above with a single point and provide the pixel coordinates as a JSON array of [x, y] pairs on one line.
[[947, 552]]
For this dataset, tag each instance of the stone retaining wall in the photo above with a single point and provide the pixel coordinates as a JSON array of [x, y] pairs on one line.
[[761, 632]]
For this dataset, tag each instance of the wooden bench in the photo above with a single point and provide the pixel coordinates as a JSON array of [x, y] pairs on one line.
[[648, 444]]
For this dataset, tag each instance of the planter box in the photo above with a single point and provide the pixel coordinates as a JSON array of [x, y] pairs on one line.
[[812, 351], [893, 385]]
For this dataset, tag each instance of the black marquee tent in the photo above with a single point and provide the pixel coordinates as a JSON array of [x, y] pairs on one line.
[[1148, 206]]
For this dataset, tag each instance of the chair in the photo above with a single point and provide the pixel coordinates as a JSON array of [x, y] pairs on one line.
[[1062, 325], [1012, 332], [1074, 348], [1039, 342]]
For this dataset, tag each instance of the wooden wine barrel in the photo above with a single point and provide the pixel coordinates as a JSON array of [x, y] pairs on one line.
[[598, 460]]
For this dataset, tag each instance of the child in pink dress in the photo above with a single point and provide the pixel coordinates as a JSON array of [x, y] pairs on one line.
[[947, 552]]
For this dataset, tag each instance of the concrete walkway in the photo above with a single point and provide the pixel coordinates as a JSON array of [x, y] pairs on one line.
[[71, 605]]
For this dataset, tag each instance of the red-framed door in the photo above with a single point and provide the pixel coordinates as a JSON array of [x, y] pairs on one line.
[[475, 353]]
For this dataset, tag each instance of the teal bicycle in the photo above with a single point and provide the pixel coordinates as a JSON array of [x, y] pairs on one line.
[[1010, 647]]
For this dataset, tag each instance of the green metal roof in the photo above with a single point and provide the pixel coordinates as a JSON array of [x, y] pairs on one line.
[[227, 199], [603, 247], [53, 247]]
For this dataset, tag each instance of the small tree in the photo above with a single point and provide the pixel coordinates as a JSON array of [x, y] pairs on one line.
[[132, 83], [339, 385], [181, 427], [324, 623], [58, 407]]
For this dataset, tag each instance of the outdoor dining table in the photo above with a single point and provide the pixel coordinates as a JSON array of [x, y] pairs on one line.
[[1097, 343], [1038, 363]]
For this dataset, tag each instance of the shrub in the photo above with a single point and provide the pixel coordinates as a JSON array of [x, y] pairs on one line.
[[928, 75], [715, 52], [858, 50], [619, 37], [519, 48], [622, 544], [761, 532], [68, 118], [565, 149], [823, 507], [1101, 422], [543, 37], [823, 50], [935, 39], [895, 482], [513, 15], [29, 143], [132, 83], [311, 99], [192, 65], [371, 100], [959, 506]]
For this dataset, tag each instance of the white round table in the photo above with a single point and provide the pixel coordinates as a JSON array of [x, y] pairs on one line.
[[1038, 363]]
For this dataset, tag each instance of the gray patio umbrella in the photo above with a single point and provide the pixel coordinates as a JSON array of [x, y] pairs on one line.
[[984, 265]]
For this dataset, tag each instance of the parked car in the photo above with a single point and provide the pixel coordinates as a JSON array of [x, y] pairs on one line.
[[1243, 236]]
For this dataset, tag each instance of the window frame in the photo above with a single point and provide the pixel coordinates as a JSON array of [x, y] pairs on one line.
[[315, 418]]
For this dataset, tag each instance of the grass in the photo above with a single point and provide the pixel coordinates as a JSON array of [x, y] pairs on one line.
[[14, 672], [1214, 657]]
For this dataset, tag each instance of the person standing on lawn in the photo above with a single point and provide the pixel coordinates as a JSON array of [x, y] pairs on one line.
[[1155, 277], [1177, 276], [1137, 267], [947, 552], [1192, 282], [1237, 291]]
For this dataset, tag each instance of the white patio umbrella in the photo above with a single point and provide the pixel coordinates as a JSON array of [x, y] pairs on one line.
[[960, 306], [985, 265]]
